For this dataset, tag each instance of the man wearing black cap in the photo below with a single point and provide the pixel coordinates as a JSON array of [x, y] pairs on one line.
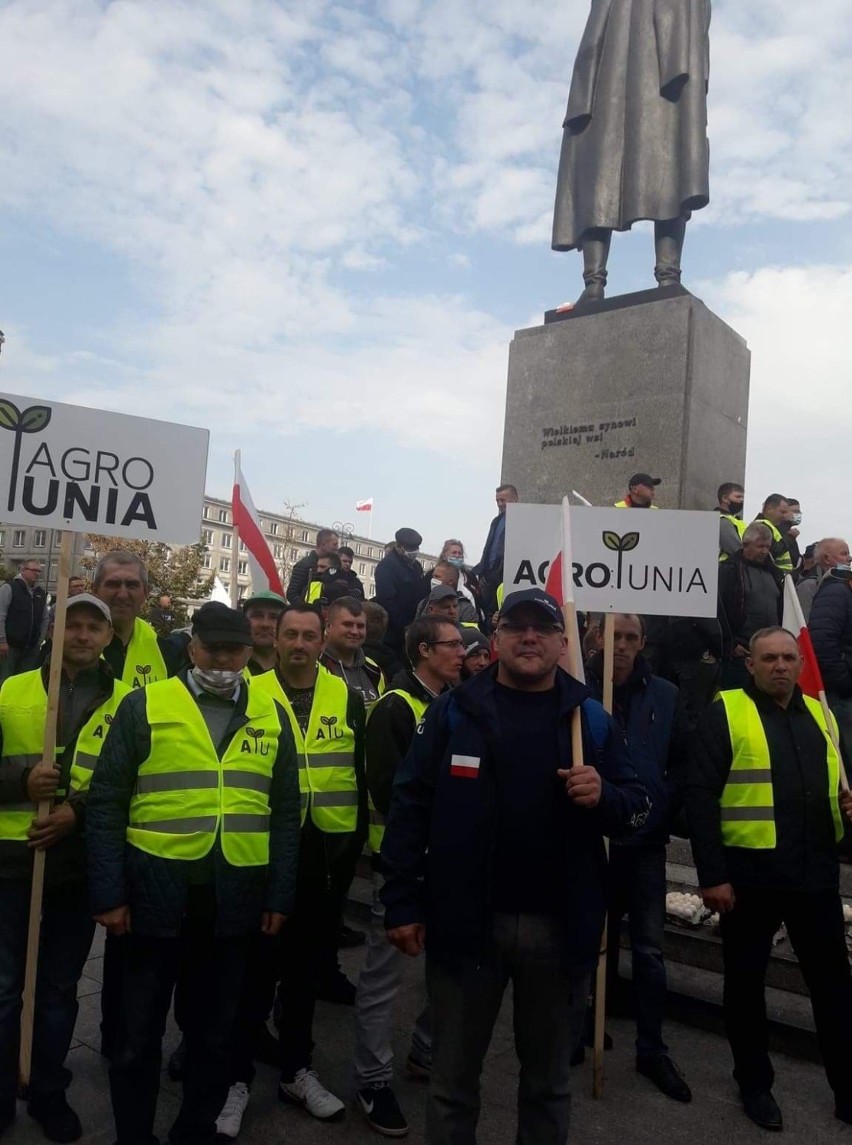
[[400, 586], [494, 851], [640, 492], [193, 831], [263, 609]]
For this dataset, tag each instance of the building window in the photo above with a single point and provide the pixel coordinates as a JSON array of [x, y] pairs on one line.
[[359, 550], [207, 536], [39, 538], [294, 554], [278, 552], [242, 568], [362, 568], [305, 536], [207, 561], [226, 540], [243, 548], [18, 538], [224, 564], [2, 538], [273, 528], [223, 516], [208, 513]]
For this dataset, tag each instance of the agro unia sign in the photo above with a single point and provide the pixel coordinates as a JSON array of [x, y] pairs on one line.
[[89, 471], [660, 563]]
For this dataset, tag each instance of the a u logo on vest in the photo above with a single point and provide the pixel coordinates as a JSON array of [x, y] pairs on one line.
[[329, 722], [256, 735]]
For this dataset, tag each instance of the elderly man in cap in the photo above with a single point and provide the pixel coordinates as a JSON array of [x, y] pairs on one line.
[[494, 859], [400, 586], [89, 697], [193, 825], [641, 489]]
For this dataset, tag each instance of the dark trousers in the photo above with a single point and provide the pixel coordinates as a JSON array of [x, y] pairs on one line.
[[256, 1002], [697, 681], [213, 970], [816, 931], [637, 880], [66, 937], [549, 1006], [112, 991], [308, 940]]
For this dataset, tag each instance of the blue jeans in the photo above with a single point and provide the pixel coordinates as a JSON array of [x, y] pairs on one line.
[[638, 889], [66, 936]]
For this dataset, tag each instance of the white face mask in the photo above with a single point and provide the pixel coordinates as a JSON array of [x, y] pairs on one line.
[[217, 681], [797, 518]]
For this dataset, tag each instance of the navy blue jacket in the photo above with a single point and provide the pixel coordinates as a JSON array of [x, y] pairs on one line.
[[441, 836], [399, 589], [650, 712], [830, 624]]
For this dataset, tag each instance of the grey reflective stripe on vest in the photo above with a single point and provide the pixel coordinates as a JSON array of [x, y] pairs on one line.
[[750, 775], [177, 781], [248, 780], [86, 760], [747, 814], [247, 824], [30, 808], [334, 798], [331, 759], [21, 760], [178, 826]]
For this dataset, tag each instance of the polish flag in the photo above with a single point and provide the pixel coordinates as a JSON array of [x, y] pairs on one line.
[[464, 766], [364, 506], [264, 574], [560, 585], [810, 680]]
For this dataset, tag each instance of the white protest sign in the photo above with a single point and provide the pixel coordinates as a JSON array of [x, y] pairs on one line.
[[656, 563], [88, 471]]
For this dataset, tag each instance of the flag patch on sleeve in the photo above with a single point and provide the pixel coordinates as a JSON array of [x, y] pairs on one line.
[[464, 766]]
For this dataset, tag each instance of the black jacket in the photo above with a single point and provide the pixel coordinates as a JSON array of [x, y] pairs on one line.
[[440, 841], [65, 861], [156, 889], [300, 577], [805, 857], [830, 624], [651, 714], [26, 610], [399, 589], [353, 583], [490, 567], [732, 599]]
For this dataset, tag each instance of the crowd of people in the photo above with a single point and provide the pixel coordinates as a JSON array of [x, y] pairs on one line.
[[215, 787]]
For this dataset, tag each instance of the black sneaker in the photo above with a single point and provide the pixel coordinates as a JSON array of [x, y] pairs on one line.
[[762, 1108], [662, 1071], [177, 1062], [350, 937], [57, 1119], [382, 1111]]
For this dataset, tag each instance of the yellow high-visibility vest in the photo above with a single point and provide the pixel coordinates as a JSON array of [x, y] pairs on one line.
[[624, 505], [377, 821], [739, 524], [780, 556], [314, 592], [143, 663], [748, 802], [327, 781], [185, 795], [23, 709]]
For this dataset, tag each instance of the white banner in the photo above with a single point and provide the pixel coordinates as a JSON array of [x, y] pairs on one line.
[[656, 563], [88, 471]]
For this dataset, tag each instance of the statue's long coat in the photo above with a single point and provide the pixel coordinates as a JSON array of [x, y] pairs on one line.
[[635, 133]]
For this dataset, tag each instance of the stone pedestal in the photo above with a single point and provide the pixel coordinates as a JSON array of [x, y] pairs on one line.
[[651, 382]]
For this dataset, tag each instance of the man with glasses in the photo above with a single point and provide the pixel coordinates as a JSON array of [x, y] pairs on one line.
[[435, 650], [494, 849], [23, 620]]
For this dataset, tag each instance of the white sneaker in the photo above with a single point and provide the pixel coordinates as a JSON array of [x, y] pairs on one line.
[[306, 1090], [231, 1118]]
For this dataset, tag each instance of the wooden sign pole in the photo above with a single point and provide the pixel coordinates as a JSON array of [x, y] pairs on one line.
[[48, 755], [600, 976]]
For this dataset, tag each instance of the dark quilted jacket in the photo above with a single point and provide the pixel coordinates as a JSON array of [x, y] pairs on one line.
[[155, 888], [830, 624]]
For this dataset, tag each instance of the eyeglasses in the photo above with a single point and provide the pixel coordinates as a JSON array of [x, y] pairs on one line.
[[446, 643], [537, 629]]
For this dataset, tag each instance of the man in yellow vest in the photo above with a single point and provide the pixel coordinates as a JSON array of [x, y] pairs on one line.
[[641, 489], [435, 648], [137, 656], [775, 514], [765, 816], [193, 824], [89, 697], [327, 720], [730, 498]]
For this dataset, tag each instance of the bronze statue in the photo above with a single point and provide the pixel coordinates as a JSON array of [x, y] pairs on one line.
[[635, 133]]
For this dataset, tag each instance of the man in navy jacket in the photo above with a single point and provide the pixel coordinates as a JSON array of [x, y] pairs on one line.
[[496, 865], [650, 713]]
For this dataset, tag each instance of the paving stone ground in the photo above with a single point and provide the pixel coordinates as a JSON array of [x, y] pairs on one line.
[[631, 1112]]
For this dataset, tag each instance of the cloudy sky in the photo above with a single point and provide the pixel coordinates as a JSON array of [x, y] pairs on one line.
[[313, 227]]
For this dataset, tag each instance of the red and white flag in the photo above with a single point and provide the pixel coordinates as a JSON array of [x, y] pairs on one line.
[[560, 585], [364, 506], [264, 574], [810, 680], [464, 766]]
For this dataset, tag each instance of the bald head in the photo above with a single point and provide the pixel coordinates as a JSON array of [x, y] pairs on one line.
[[831, 552]]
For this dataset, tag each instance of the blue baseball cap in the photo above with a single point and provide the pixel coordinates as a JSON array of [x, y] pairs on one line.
[[537, 597]]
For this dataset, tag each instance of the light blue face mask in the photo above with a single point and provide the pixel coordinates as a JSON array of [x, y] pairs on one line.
[[456, 562]]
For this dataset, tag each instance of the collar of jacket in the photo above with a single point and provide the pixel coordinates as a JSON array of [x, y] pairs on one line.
[[478, 696], [106, 676], [406, 681], [767, 704], [635, 682]]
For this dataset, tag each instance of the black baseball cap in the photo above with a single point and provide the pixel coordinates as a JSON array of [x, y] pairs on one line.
[[643, 479], [215, 623], [535, 596]]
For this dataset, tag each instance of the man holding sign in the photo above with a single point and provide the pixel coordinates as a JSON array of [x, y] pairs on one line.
[[494, 848], [89, 697]]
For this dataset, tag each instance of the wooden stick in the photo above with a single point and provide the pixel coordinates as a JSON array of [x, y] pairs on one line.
[[575, 668], [600, 975], [48, 755], [829, 721]]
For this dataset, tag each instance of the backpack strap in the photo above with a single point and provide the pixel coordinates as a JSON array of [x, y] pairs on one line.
[[597, 722]]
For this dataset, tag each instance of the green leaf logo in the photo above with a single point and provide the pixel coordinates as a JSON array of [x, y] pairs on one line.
[[612, 541], [629, 542], [10, 415], [31, 420], [35, 418]]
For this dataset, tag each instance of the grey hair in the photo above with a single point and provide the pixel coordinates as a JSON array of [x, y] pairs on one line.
[[757, 531], [122, 558]]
